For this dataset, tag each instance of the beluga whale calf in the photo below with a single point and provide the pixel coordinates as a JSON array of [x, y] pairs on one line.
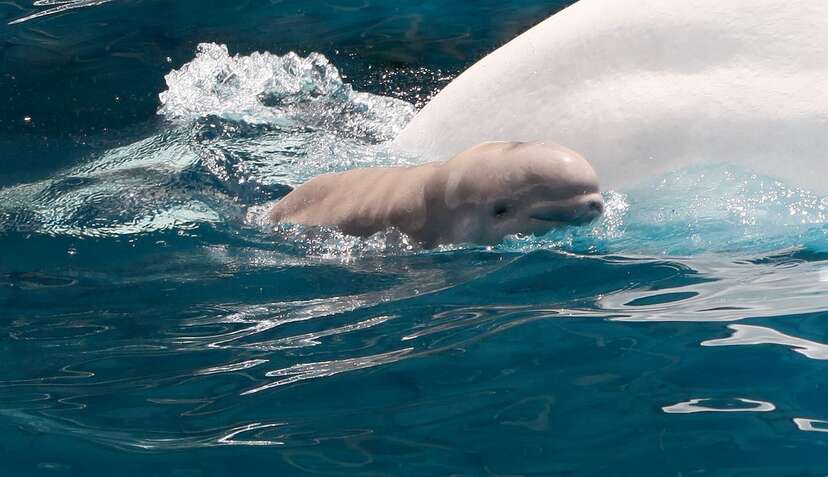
[[644, 87], [480, 196]]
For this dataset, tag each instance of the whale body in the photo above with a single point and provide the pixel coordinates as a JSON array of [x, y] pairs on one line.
[[643, 87]]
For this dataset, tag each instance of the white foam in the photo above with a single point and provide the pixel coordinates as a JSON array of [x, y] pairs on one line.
[[287, 91]]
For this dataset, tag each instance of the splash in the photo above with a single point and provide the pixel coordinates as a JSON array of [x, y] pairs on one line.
[[289, 92], [696, 210]]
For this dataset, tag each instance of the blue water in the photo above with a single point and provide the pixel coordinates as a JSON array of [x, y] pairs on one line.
[[153, 324]]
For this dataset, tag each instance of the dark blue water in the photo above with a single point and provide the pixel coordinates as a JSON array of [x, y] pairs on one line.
[[153, 324]]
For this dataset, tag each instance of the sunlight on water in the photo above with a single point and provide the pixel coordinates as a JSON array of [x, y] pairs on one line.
[[757, 335], [704, 405], [58, 6]]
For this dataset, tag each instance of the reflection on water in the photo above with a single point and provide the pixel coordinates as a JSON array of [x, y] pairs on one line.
[[57, 6], [811, 425], [752, 335], [709, 405]]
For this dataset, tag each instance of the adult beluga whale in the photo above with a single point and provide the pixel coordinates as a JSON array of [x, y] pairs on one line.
[[642, 87]]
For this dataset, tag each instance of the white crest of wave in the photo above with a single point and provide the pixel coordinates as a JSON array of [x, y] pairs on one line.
[[288, 91]]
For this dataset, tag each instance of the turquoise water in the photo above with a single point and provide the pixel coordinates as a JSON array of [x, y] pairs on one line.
[[153, 324]]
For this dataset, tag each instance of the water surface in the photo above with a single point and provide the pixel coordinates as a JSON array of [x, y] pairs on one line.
[[152, 322]]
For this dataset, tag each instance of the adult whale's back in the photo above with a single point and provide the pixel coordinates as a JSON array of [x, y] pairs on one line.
[[641, 87]]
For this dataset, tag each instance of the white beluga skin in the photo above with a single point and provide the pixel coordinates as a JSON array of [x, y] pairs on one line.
[[480, 196], [643, 87]]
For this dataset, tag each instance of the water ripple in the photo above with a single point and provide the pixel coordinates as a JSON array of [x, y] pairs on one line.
[[729, 291], [811, 425], [232, 367], [58, 6], [301, 372], [719, 405], [759, 335]]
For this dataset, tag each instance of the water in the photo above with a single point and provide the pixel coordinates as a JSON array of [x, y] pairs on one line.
[[153, 323]]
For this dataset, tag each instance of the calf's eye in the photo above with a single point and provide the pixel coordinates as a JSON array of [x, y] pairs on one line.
[[500, 210]]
